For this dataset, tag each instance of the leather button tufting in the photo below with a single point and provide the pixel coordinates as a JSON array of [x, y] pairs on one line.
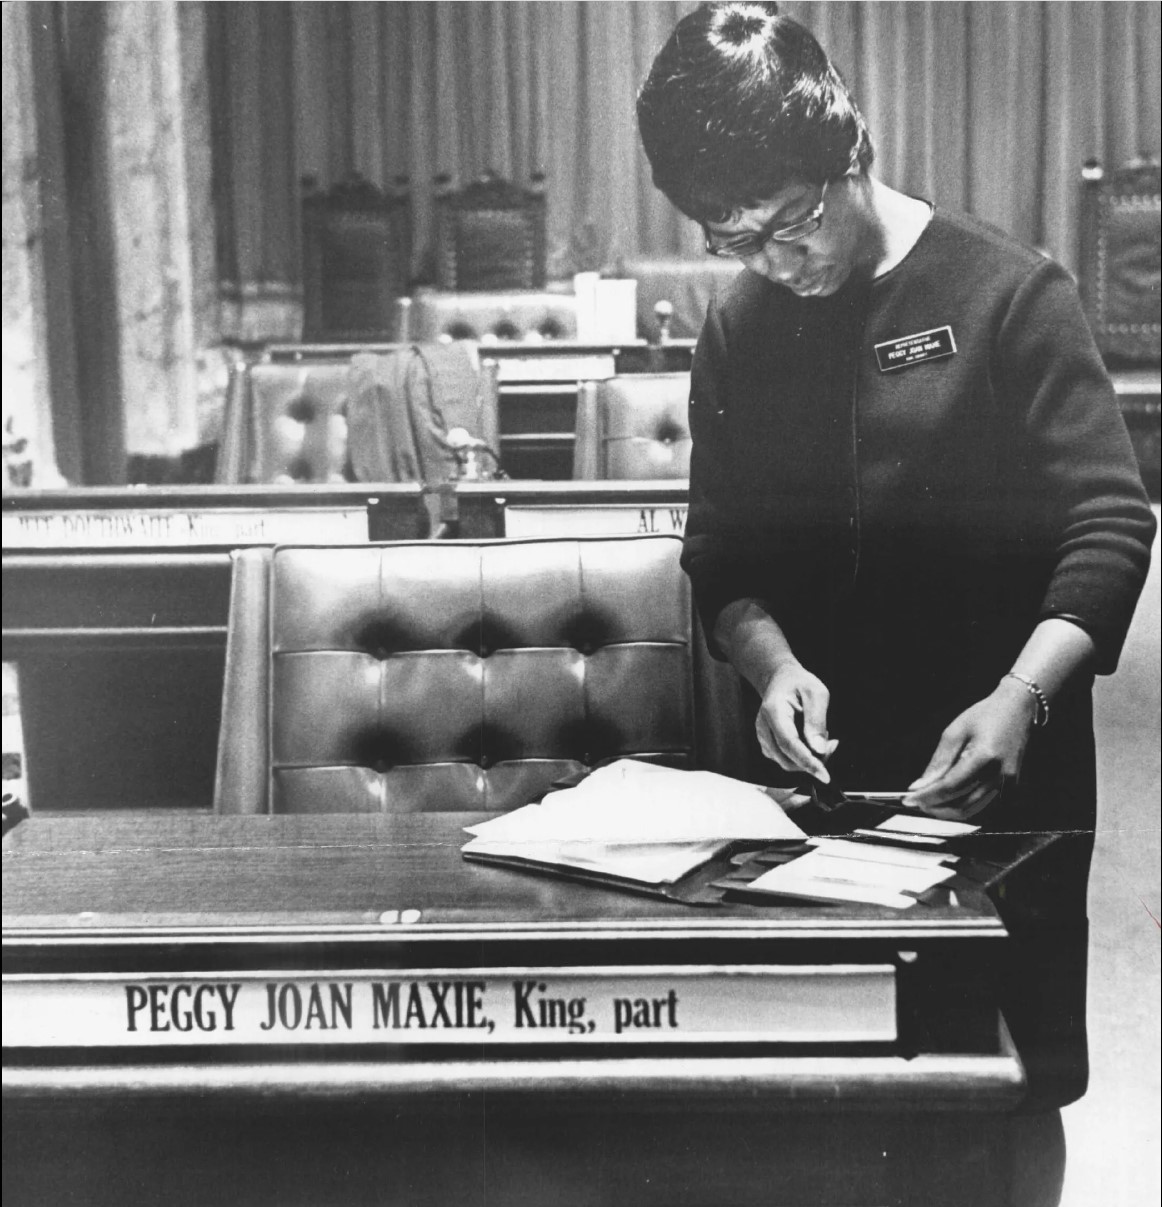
[[302, 410]]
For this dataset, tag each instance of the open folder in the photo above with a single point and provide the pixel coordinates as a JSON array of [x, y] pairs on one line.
[[640, 826]]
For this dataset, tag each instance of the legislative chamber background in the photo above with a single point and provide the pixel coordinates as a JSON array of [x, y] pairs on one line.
[[158, 158]]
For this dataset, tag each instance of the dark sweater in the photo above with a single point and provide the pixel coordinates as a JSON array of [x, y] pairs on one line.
[[909, 528]]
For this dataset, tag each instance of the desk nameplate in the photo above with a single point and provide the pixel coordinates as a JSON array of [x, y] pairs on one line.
[[737, 1004], [120, 528], [594, 519]]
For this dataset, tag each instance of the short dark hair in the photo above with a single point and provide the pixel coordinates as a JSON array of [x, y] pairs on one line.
[[738, 102]]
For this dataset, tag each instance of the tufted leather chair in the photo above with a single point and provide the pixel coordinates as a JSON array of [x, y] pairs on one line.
[[634, 426], [288, 418], [460, 676], [487, 317], [299, 425]]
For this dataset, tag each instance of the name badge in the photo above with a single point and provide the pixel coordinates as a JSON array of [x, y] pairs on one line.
[[912, 349]]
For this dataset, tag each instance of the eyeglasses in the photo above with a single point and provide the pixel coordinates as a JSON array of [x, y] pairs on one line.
[[752, 245]]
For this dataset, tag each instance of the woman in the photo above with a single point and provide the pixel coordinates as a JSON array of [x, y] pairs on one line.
[[916, 523]]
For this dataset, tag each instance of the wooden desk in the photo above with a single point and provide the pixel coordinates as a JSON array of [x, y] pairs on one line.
[[158, 895], [146, 898]]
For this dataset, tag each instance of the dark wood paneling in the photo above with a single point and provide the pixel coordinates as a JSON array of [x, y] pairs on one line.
[[130, 727], [106, 592], [478, 1153]]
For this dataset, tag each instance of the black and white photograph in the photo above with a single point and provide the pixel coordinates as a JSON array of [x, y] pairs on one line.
[[581, 610]]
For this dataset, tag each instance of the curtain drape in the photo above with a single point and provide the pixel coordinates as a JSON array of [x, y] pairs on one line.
[[986, 107]]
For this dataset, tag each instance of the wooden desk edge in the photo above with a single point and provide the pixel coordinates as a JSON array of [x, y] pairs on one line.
[[926, 1082], [19, 937]]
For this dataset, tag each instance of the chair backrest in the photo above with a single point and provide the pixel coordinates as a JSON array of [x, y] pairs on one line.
[[688, 285], [299, 422], [513, 316], [490, 235], [356, 258], [456, 675], [374, 416], [1120, 260], [634, 426]]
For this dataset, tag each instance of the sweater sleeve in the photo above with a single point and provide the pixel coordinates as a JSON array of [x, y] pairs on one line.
[[718, 573], [1079, 460]]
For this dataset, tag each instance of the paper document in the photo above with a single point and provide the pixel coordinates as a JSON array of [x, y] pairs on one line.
[[866, 851], [633, 802], [829, 879], [820, 866], [782, 883], [933, 827], [649, 864], [635, 821], [835, 870]]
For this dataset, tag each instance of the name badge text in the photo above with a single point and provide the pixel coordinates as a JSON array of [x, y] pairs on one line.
[[912, 349]]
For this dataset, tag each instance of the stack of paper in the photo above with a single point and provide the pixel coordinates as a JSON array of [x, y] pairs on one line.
[[876, 873], [636, 821]]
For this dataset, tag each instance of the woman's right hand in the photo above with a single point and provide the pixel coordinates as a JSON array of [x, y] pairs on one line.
[[792, 721]]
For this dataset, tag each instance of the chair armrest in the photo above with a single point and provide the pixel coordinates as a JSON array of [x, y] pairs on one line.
[[242, 779], [489, 402], [233, 464], [401, 327], [587, 429]]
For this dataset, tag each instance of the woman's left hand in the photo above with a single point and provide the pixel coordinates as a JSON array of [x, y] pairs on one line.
[[977, 756]]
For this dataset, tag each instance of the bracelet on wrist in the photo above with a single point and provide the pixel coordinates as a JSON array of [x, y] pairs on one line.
[[1041, 712]]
